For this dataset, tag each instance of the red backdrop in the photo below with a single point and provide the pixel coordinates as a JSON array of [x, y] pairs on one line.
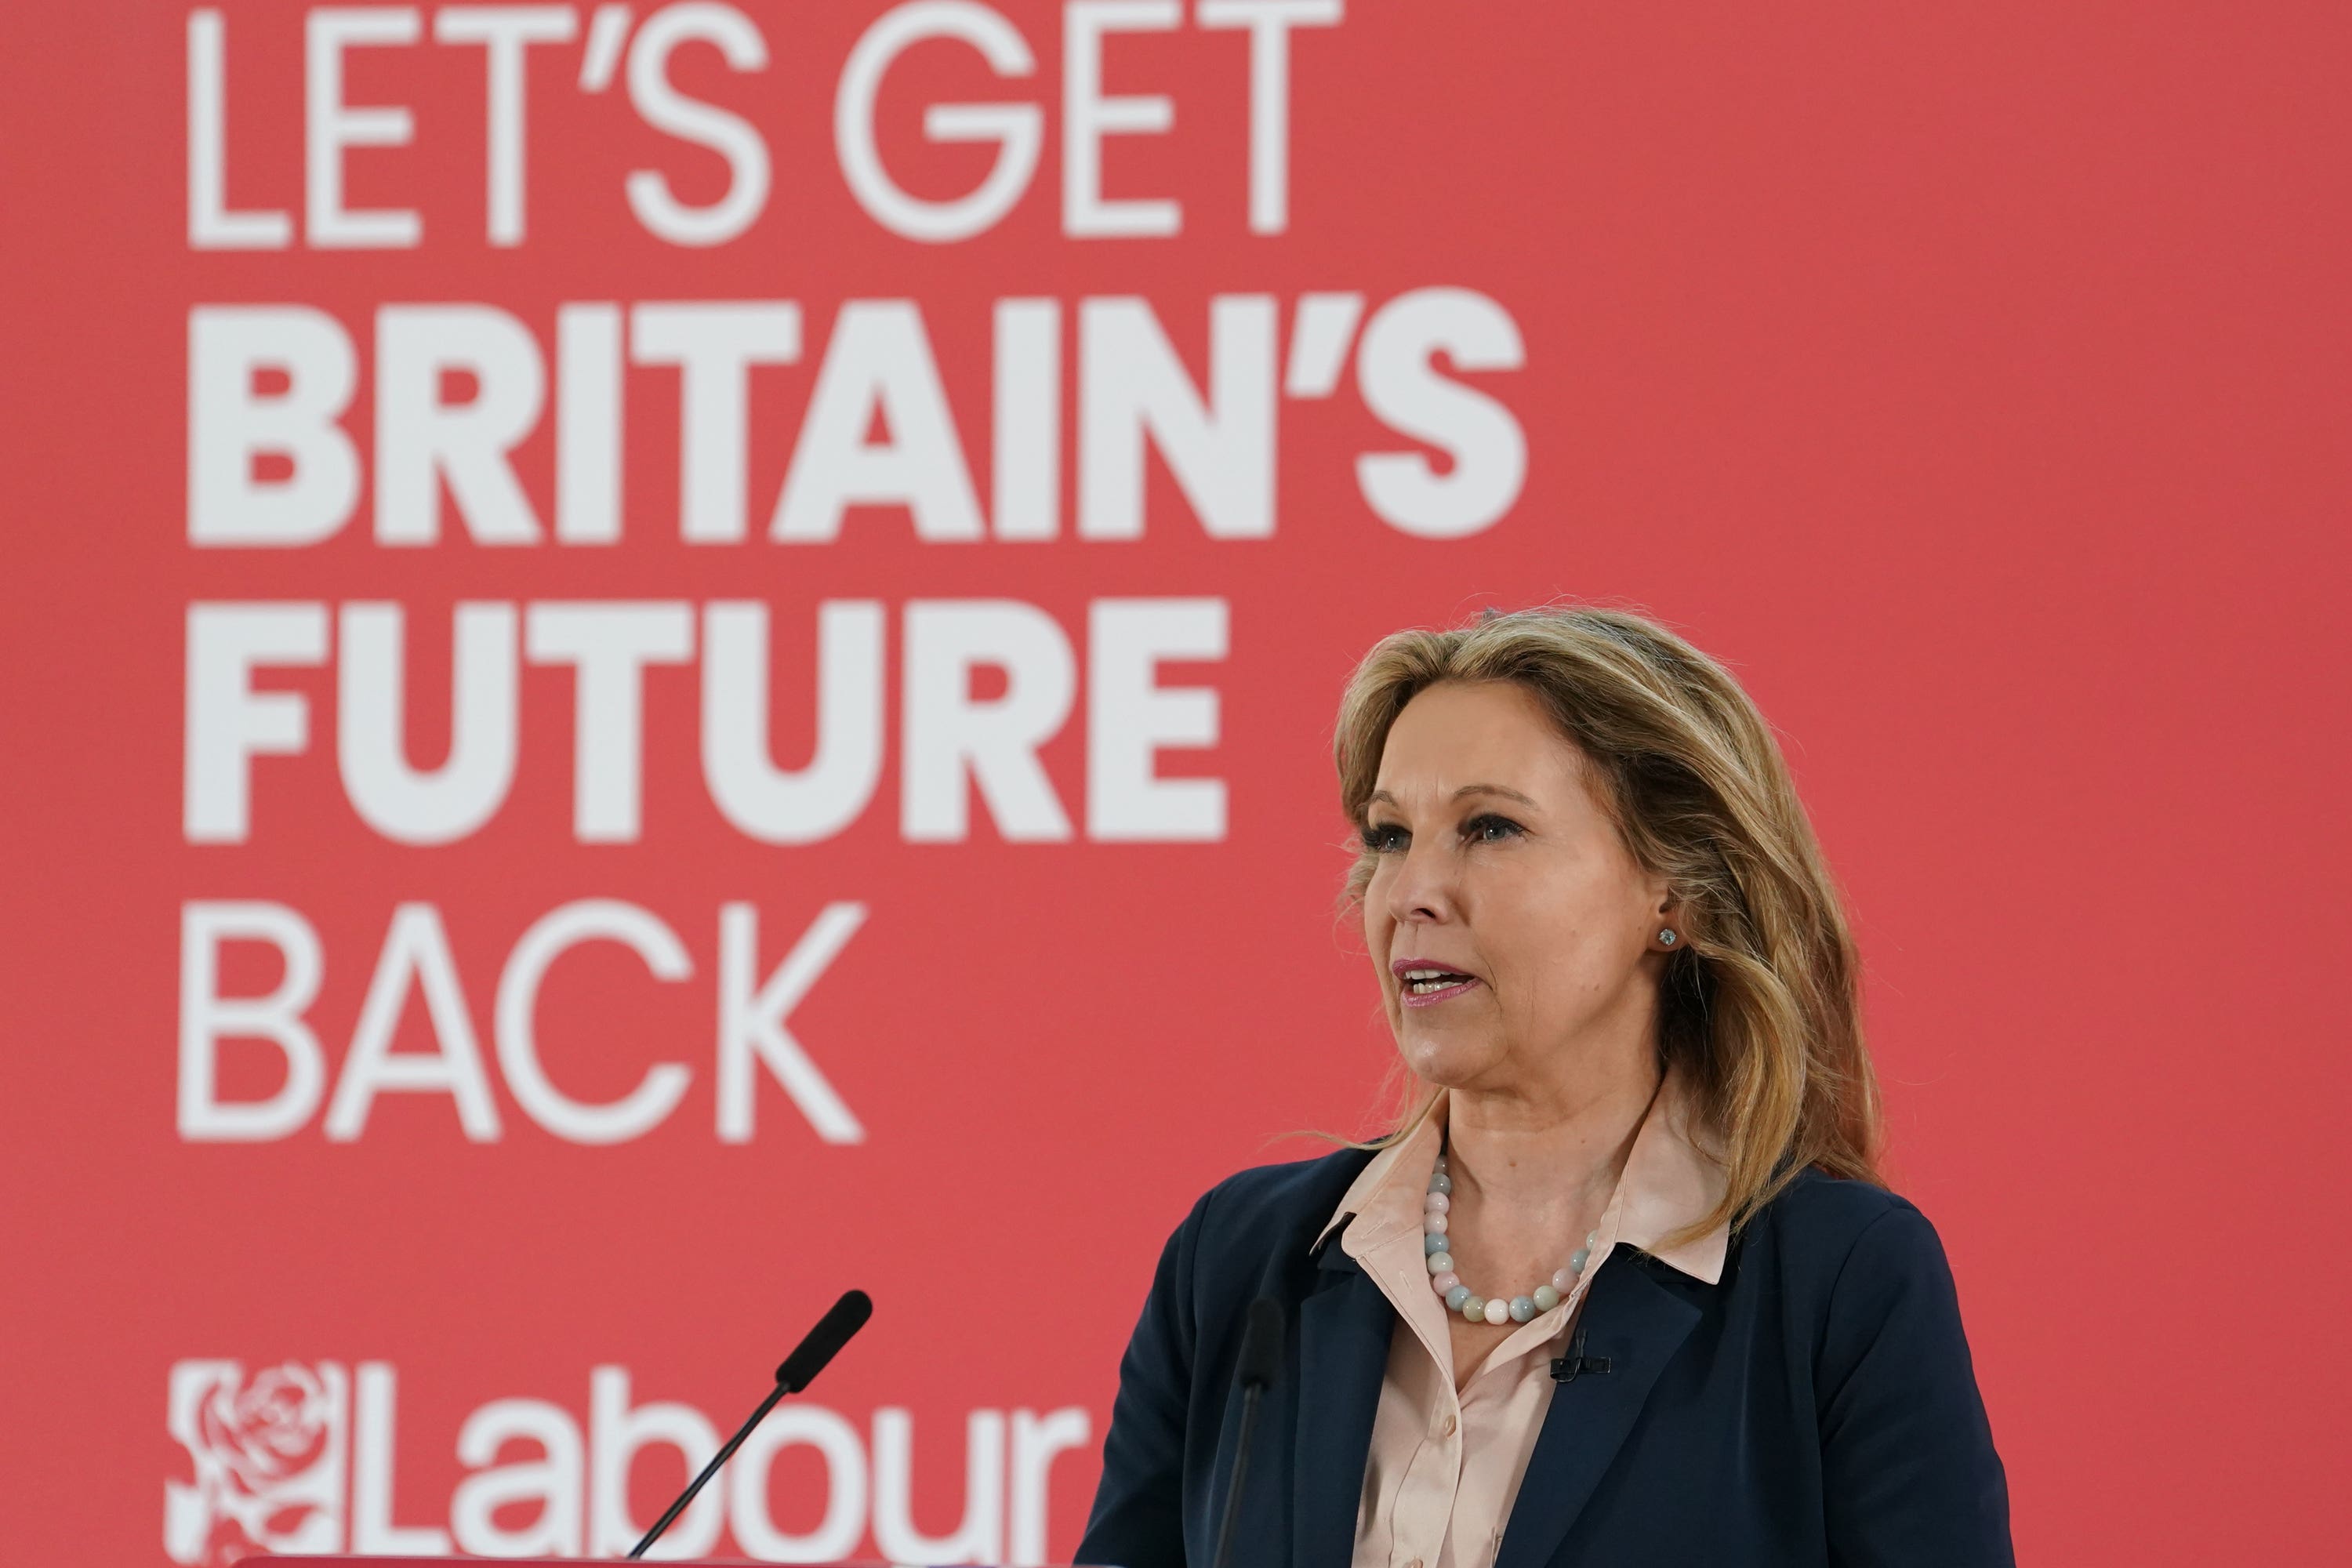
[[1972, 379]]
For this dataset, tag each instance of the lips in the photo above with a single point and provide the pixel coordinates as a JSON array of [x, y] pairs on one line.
[[1425, 982]]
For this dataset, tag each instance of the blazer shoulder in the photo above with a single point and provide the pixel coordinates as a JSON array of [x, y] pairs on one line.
[[1843, 1241], [1251, 1233], [1279, 1198], [1824, 1218]]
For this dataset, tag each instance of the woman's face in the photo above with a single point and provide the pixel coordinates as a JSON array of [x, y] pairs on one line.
[[1511, 928]]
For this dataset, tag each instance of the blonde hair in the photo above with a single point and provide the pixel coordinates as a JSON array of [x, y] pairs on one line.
[[1759, 1010]]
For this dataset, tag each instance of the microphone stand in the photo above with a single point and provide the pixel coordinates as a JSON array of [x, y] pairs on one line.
[[1260, 1361], [709, 1471], [799, 1369]]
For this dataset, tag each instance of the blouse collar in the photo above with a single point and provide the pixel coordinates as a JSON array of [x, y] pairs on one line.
[[1674, 1177]]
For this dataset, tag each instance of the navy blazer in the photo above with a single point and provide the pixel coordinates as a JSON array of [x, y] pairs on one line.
[[1817, 1406]]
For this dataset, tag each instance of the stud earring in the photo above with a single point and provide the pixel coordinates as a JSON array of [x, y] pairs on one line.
[[1667, 938]]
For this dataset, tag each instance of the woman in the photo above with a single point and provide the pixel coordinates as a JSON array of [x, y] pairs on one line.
[[1623, 1287]]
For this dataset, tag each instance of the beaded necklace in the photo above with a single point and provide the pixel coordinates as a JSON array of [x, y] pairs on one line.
[[1460, 1298]]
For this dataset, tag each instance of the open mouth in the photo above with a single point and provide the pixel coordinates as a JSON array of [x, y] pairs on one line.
[[1423, 985]]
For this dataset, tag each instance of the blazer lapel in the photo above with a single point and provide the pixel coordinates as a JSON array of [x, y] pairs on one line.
[[1343, 1350], [1636, 1325]]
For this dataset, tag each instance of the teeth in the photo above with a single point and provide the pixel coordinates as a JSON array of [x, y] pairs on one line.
[[1422, 982]]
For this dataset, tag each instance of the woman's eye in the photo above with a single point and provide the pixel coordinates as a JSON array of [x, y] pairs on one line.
[[1385, 836], [1490, 830]]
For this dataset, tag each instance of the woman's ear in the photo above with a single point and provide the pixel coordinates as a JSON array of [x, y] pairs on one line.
[[1668, 934]]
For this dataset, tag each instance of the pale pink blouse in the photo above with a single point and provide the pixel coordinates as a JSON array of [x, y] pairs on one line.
[[1445, 1467]]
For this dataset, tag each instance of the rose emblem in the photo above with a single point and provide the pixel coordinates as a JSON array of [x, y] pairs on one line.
[[274, 1429], [267, 1459]]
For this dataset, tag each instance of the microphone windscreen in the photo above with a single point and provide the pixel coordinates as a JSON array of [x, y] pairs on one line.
[[1261, 1359], [832, 1332]]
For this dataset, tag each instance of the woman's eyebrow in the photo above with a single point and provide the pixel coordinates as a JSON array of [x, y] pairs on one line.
[[1466, 790], [1506, 793]]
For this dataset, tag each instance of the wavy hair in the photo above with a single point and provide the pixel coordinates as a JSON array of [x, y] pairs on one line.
[[1759, 1010]]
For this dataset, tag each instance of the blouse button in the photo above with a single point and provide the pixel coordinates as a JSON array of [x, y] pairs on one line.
[[1446, 1428]]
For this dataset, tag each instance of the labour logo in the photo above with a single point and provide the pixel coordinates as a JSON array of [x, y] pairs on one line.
[[268, 1455]]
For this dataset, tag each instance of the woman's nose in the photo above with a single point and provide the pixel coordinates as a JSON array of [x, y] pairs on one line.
[[1422, 891]]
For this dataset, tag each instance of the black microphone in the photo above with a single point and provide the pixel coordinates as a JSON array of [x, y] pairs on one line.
[[1260, 1362], [799, 1370]]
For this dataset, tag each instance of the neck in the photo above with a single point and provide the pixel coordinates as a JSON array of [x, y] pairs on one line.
[[1544, 1146]]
